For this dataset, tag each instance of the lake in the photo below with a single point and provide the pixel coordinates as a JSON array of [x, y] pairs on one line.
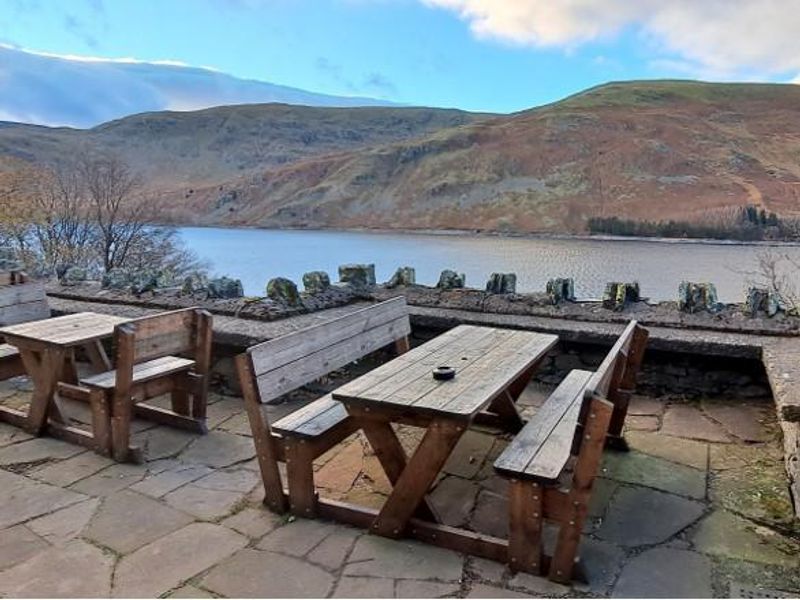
[[257, 255]]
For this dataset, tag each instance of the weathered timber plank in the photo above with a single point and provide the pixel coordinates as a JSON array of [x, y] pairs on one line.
[[291, 347], [522, 450], [314, 365], [489, 376]]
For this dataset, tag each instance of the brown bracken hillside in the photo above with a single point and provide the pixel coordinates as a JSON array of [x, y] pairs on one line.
[[638, 150]]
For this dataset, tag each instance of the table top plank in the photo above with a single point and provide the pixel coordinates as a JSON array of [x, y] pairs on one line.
[[65, 331], [486, 359], [429, 352], [490, 375], [414, 381]]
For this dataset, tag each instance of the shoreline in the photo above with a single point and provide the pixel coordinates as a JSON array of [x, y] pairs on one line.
[[499, 234]]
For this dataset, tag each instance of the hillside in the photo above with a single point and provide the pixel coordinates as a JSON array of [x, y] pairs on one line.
[[639, 150], [655, 150], [178, 151]]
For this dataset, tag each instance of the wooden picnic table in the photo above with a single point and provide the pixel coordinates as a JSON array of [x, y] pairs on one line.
[[47, 348], [493, 367]]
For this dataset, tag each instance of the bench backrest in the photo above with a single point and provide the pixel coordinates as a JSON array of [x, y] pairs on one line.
[[619, 367], [293, 360], [184, 332], [23, 302]]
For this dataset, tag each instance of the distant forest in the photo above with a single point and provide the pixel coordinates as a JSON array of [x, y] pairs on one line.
[[747, 223]]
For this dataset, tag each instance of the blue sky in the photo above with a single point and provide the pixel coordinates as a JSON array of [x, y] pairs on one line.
[[493, 55]]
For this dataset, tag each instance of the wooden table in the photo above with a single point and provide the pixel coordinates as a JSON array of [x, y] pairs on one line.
[[47, 349], [493, 367]]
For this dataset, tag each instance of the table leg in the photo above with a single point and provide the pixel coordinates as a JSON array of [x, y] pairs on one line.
[[44, 367], [505, 408], [70, 371], [418, 476], [389, 452], [97, 356]]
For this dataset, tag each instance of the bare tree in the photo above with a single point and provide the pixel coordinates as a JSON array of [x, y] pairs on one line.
[[61, 229], [774, 272], [119, 210]]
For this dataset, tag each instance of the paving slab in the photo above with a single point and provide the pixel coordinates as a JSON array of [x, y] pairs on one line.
[[469, 453], [18, 544], [262, 574], [22, 499], [219, 449], [127, 520], [46, 575], [724, 534], [375, 556], [736, 456], [481, 590], [491, 514], [635, 467], [162, 483], [365, 587], [601, 561], [678, 450], [744, 421], [486, 570], [166, 563], [340, 473], [683, 420], [253, 522], [537, 586], [162, 442], [234, 480], [12, 435], [67, 523], [645, 405], [204, 503], [642, 423], [222, 409], [334, 549], [297, 538], [758, 491], [639, 516], [454, 498], [112, 479], [37, 450], [412, 588], [66, 472], [190, 591], [665, 573]]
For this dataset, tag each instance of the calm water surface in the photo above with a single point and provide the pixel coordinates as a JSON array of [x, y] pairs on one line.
[[257, 255]]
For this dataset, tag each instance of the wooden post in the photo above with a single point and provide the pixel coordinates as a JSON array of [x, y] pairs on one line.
[[262, 437], [122, 406], [300, 474], [591, 453], [205, 333], [526, 504]]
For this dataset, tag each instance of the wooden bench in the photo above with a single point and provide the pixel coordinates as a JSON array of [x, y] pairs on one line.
[[20, 301], [273, 368], [585, 412], [165, 353]]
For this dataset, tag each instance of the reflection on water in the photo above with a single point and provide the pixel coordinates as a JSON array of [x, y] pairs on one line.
[[256, 255]]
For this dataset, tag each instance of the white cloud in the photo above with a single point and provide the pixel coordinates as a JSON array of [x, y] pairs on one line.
[[726, 36], [83, 91]]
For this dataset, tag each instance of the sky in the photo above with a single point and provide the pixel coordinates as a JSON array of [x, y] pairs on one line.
[[482, 55]]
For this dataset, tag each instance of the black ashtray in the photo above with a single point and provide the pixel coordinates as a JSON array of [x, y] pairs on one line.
[[444, 373]]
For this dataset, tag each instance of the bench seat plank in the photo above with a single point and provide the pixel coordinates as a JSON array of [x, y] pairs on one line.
[[542, 449], [151, 369], [8, 351], [314, 419]]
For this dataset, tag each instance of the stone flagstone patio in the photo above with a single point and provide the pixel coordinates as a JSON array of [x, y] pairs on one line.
[[699, 507]]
